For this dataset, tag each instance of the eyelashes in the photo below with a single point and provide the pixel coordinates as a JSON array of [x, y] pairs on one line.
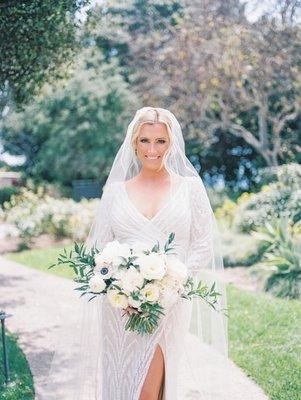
[[161, 141]]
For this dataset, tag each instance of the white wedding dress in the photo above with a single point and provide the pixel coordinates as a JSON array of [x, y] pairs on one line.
[[95, 358], [126, 356]]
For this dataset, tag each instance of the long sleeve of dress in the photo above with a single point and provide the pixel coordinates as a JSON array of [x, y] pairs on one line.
[[200, 251], [101, 230]]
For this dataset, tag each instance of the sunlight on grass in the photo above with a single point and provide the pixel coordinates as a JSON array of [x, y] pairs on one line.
[[264, 335], [41, 259]]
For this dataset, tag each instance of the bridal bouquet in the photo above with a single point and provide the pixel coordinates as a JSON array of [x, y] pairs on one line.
[[146, 281]]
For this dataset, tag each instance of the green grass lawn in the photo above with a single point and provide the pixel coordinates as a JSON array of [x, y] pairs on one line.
[[264, 332], [20, 374], [41, 259], [264, 338]]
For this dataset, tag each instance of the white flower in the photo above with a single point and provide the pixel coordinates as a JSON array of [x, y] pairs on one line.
[[131, 280], [138, 248], [97, 284], [104, 268], [152, 266], [168, 297], [170, 282], [117, 300], [134, 303], [176, 268], [113, 252], [151, 292]]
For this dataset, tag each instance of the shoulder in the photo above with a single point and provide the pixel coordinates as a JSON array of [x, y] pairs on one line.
[[109, 190], [195, 184], [197, 191]]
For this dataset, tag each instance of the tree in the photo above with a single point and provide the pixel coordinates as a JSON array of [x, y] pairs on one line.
[[38, 42], [228, 74], [204, 61], [72, 132], [259, 82]]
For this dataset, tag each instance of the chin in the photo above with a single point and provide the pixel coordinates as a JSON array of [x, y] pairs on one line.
[[152, 167]]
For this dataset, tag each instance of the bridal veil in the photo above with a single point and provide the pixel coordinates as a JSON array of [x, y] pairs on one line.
[[78, 352]]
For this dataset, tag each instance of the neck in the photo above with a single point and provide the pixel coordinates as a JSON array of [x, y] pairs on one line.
[[147, 174]]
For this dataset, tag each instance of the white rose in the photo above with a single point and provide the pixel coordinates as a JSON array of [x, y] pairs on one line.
[[168, 297], [117, 300], [97, 284], [151, 292], [113, 253], [171, 282], [152, 266], [176, 268], [131, 279]]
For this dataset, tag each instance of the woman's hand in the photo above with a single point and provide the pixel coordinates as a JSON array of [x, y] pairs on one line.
[[130, 310]]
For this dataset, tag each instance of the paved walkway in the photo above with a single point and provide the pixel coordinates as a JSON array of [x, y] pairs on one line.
[[39, 301]]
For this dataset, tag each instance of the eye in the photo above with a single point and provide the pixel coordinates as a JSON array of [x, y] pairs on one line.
[[143, 140], [162, 141]]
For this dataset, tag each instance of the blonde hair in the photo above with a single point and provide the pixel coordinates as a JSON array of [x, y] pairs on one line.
[[152, 115]]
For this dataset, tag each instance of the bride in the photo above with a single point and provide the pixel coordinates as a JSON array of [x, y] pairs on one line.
[[152, 190]]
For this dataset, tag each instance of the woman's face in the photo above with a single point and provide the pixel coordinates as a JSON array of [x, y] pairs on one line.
[[152, 143]]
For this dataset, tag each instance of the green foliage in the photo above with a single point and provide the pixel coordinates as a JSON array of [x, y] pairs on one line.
[[21, 384], [38, 42], [72, 132], [280, 198], [35, 213], [146, 321], [7, 192], [283, 257], [285, 175]]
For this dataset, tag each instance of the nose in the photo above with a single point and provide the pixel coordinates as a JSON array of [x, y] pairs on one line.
[[152, 149]]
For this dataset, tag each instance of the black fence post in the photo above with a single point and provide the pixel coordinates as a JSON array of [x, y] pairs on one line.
[[3, 315]]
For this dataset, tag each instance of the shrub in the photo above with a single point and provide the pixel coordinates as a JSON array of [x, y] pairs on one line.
[[287, 175], [275, 200], [37, 213], [7, 192], [282, 257]]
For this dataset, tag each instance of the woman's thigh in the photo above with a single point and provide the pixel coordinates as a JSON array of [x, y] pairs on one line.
[[154, 378]]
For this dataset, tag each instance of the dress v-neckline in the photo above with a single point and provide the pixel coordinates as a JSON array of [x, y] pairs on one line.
[[161, 208]]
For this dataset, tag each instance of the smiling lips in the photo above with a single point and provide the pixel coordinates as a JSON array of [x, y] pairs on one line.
[[152, 158]]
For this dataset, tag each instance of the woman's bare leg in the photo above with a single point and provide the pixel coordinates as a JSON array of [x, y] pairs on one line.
[[154, 380]]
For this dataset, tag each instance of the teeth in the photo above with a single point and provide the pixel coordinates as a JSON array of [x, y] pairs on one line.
[[152, 158]]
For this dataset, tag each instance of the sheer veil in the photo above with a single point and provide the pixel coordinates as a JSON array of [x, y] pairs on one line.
[[75, 367]]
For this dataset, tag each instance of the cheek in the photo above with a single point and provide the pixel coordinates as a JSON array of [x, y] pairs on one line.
[[165, 148]]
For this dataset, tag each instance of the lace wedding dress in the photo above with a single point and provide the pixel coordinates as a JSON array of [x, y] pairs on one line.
[[96, 358], [126, 356]]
